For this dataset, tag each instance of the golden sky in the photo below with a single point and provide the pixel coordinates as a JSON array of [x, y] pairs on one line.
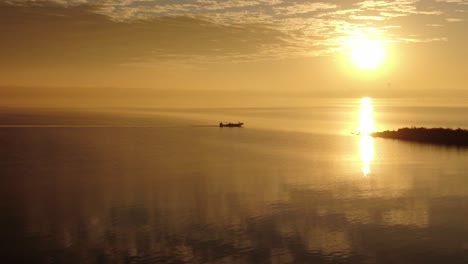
[[131, 52]]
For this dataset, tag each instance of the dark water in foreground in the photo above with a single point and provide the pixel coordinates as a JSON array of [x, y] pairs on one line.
[[187, 194]]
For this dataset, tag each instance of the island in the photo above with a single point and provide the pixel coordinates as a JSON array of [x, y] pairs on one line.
[[442, 136]]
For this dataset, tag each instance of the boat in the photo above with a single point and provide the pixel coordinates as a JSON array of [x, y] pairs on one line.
[[238, 124]]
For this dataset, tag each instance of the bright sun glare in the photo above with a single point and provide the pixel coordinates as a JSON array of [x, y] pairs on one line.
[[366, 53], [366, 126]]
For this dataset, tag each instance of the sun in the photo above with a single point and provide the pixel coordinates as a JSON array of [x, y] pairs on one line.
[[366, 53]]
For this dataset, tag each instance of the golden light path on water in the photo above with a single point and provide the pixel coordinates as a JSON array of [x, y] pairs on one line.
[[366, 143], [366, 149]]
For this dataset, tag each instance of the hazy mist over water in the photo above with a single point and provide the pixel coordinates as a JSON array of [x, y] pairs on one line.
[[326, 116], [142, 185]]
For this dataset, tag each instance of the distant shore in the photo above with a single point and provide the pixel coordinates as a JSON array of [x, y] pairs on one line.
[[441, 136]]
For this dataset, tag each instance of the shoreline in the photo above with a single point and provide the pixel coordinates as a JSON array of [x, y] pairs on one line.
[[440, 136]]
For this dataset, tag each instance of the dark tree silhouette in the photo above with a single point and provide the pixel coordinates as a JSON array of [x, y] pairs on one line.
[[444, 136]]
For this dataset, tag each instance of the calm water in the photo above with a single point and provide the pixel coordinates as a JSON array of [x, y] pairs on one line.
[[293, 186]]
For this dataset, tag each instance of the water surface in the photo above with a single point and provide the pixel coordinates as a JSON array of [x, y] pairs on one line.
[[168, 186]]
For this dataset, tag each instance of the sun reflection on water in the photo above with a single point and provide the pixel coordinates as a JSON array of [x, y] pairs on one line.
[[366, 142], [366, 149]]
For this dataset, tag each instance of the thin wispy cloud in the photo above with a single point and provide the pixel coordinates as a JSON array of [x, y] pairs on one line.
[[303, 8], [454, 19], [450, 1], [240, 29]]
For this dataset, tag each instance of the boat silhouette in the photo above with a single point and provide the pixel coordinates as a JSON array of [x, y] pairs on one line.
[[238, 124]]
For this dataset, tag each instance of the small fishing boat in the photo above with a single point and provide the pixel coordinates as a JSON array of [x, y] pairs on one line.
[[238, 124]]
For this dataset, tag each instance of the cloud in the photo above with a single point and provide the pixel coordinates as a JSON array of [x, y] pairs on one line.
[[303, 8], [222, 5], [451, 19], [379, 18], [449, 1], [239, 18], [399, 6], [50, 35], [131, 31]]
